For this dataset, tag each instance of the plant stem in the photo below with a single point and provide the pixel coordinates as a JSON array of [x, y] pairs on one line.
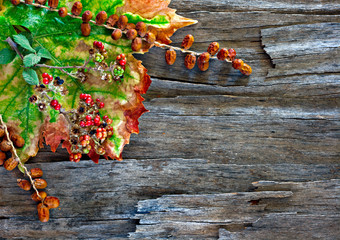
[[14, 46]]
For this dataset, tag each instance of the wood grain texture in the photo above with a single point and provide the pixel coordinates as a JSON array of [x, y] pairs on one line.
[[212, 134]]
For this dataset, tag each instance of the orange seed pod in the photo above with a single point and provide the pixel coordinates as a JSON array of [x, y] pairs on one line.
[[116, 34], [131, 34], [77, 8], [43, 212], [62, 12], [203, 61], [51, 202], [10, 164], [190, 61], [40, 183], [85, 29], [150, 37], [53, 3], [87, 16], [188, 41], [213, 48], [246, 69], [136, 44], [122, 21], [17, 140], [24, 184], [36, 173], [35, 197], [101, 17], [170, 56], [141, 28], [113, 19]]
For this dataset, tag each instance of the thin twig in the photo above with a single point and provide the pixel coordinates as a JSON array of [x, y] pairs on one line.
[[14, 46], [18, 159]]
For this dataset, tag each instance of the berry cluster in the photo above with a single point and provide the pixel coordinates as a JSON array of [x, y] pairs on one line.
[[98, 52], [118, 71]]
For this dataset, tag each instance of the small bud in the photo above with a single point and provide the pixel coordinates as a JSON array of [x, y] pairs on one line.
[[53, 3], [101, 17], [85, 29], [43, 212], [203, 61], [24, 184], [170, 56], [15, 2], [122, 21], [190, 61], [17, 140], [131, 34], [35, 197], [141, 28], [51, 202], [10, 164], [87, 16], [77, 8], [246, 69], [113, 19], [213, 48], [150, 37], [36, 173], [188, 41], [222, 54], [5, 146], [40, 183], [62, 12], [116, 34], [136, 44]]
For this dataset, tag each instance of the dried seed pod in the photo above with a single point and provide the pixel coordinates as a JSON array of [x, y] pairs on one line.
[[2, 157], [62, 12], [36, 173], [28, 1], [231, 54], [85, 29], [41, 2], [101, 17], [136, 44], [53, 3], [10, 164], [213, 48], [40, 183], [116, 34], [222, 54], [203, 61], [141, 28], [113, 19], [51, 202], [2, 131], [35, 197], [24, 184], [150, 37], [188, 41], [5, 146], [130, 26], [77, 8], [122, 21], [246, 69], [238, 64], [131, 34], [18, 141], [170, 56], [87, 16], [43, 212], [15, 2], [190, 61]]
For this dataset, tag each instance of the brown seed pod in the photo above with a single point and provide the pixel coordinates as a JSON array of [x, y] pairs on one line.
[[53, 3], [237, 64], [87, 16], [17, 140], [101, 17], [113, 19], [188, 41], [122, 21], [85, 29], [246, 69], [35, 197], [231, 54], [222, 54], [77, 8], [15, 2], [40, 183], [131, 34], [203, 61], [116, 34], [36, 173], [5, 146], [10, 164], [130, 26], [213, 48], [141, 28], [2, 131], [190, 61], [51, 202], [41, 2], [150, 37], [136, 44], [2, 158], [28, 1], [170, 56], [62, 12], [43, 212], [24, 184]]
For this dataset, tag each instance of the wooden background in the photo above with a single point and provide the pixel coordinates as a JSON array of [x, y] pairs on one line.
[[220, 155]]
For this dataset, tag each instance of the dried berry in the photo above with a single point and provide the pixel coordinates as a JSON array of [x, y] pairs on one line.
[[77, 8], [238, 64], [51, 202], [24, 184], [188, 41], [130, 26], [28, 1], [17, 140], [36, 173], [10, 164], [150, 37], [190, 61], [35, 197], [40, 183], [2, 131], [136, 44], [203, 61], [15, 2], [170, 56], [43, 212], [5, 146], [141, 29], [41, 2], [122, 21], [101, 17], [41, 106], [213, 48], [33, 99], [246, 69], [116, 34], [62, 12], [113, 19], [131, 34], [231, 54], [222, 54], [53, 3], [87, 16], [85, 30]]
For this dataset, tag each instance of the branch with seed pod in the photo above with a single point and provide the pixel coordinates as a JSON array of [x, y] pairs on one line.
[[138, 33], [34, 175]]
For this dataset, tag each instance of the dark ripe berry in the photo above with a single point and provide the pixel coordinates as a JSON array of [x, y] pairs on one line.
[[57, 107], [101, 105], [8, 154], [87, 16], [130, 26], [10, 164], [57, 78], [41, 106], [81, 110], [85, 29], [40, 183], [92, 132], [238, 64], [101, 17], [42, 86], [17, 140], [203, 61], [33, 99], [190, 61], [62, 12], [36, 173], [116, 34], [60, 81], [213, 48], [122, 21], [104, 124], [53, 3], [136, 44], [141, 28], [5, 146], [231, 54], [131, 34], [41, 2], [246, 69], [54, 103], [35, 197], [188, 41], [45, 75], [113, 19], [15, 2], [222, 54], [43, 212], [77, 8], [170, 56], [51, 202], [24, 184], [150, 37]]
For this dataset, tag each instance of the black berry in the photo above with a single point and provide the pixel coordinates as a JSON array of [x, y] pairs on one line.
[[60, 81], [57, 78], [92, 132]]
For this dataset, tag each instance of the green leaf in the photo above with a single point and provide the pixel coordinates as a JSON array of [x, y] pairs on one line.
[[44, 53], [21, 169], [23, 42], [31, 59], [30, 76], [7, 55]]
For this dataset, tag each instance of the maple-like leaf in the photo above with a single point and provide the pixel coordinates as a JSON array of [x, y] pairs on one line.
[[63, 39]]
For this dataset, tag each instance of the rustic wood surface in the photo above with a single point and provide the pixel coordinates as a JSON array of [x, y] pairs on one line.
[[219, 155]]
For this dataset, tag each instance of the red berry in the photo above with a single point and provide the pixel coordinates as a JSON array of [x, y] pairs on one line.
[[118, 57], [98, 100], [46, 81], [57, 107], [88, 100], [99, 135], [101, 105], [88, 123], [122, 55], [109, 121], [54, 103], [92, 122], [86, 137], [82, 123], [105, 117], [50, 77], [122, 62], [45, 75], [88, 118], [82, 96], [71, 157], [95, 43]]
